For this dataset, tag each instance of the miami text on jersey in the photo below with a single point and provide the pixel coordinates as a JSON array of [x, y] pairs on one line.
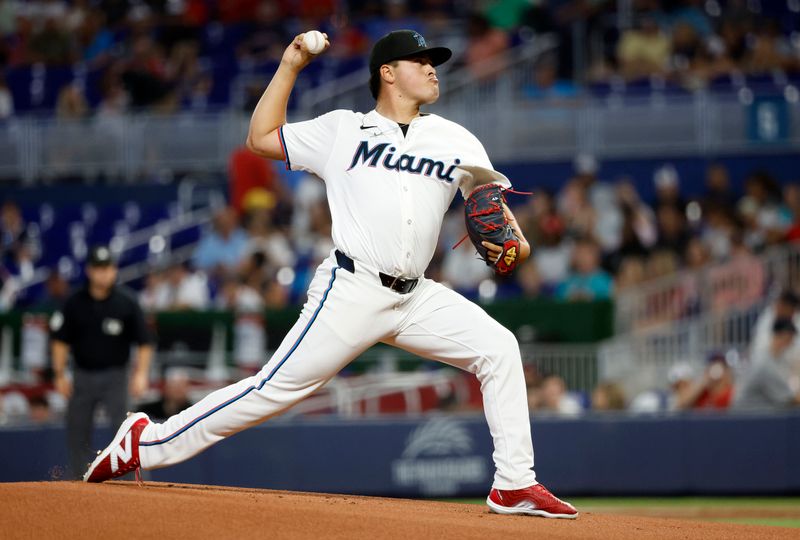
[[403, 162]]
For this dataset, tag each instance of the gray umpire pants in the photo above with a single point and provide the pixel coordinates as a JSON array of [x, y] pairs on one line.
[[108, 387]]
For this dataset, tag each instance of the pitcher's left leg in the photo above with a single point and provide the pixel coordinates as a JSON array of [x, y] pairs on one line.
[[442, 325]]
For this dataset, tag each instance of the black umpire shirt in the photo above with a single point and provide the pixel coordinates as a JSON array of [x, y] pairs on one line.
[[100, 332]]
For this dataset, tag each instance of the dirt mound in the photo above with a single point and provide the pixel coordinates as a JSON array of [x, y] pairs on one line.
[[65, 510]]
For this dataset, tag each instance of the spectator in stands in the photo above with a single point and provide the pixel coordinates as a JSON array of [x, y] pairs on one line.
[[608, 396], [17, 257], [546, 84], [184, 72], [221, 250], [713, 391], [784, 307], [18, 49], [265, 36], [462, 271], [771, 384], [718, 188], [603, 200], [728, 49], [506, 14], [630, 273], [14, 407], [95, 39], [641, 216], [9, 289], [263, 237], [185, 289], [51, 44], [668, 187], [587, 280], [533, 380], [39, 409], [308, 193], [56, 291], [250, 173], [554, 253], [719, 231], [643, 50], [681, 380], [486, 46], [660, 263], [71, 103], [174, 397], [146, 76], [576, 209], [672, 233], [553, 397], [242, 295], [692, 14], [152, 297], [761, 210], [769, 49], [6, 99], [690, 60], [530, 282], [697, 254], [77, 13], [636, 229]]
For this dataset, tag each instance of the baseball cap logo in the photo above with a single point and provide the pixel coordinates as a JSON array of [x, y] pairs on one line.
[[420, 39]]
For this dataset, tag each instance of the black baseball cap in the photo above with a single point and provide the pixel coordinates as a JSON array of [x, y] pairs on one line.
[[403, 44], [100, 256]]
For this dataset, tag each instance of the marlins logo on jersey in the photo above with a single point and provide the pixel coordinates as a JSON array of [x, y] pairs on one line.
[[403, 162]]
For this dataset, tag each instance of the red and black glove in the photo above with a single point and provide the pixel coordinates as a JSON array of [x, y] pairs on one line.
[[487, 222]]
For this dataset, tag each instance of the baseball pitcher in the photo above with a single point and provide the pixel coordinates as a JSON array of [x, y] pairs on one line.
[[390, 175]]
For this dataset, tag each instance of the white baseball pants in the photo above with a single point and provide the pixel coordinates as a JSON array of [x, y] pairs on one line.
[[345, 314]]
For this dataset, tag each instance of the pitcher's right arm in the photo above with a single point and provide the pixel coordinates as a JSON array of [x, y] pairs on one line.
[[270, 113]]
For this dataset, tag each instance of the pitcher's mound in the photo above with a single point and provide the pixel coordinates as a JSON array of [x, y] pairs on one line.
[[61, 510]]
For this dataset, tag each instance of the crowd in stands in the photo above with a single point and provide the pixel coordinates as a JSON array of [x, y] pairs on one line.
[[596, 238], [184, 54], [766, 377], [593, 239]]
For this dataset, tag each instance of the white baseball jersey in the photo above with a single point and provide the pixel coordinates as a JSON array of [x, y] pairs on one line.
[[387, 192]]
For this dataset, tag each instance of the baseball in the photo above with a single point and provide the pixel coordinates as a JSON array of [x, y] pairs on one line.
[[314, 41]]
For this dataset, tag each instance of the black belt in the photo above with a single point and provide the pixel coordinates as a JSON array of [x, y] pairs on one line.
[[401, 285]]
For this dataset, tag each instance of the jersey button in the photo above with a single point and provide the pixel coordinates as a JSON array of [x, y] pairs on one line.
[[409, 222], [408, 255], [405, 188]]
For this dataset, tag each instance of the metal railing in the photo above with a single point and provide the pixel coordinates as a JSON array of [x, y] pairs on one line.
[[459, 87], [685, 316], [641, 360], [496, 108], [718, 288]]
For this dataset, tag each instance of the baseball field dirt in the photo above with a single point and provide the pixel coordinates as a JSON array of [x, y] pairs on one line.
[[66, 510]]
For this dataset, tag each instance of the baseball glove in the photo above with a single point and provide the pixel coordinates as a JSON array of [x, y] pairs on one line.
[[486, 222]]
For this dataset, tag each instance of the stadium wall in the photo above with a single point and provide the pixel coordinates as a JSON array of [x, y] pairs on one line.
[[450, 456]]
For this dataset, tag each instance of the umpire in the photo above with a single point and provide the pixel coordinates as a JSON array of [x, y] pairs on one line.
[[98, 323]]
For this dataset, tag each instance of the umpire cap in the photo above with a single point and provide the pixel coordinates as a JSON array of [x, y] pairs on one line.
[[403, 44], [100, 256]]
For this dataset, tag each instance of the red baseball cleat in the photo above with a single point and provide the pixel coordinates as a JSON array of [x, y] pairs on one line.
[[533, 501], [122, 455]]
